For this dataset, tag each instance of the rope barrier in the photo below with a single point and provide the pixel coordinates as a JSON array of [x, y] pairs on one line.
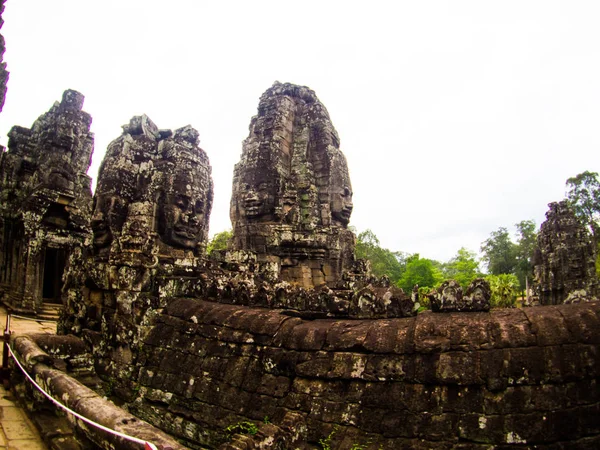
[[147, 445], [33, 319]]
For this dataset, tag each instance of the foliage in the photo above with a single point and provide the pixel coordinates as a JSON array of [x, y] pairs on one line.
[[424, 302], [583, 194], [499, 252], [326, 442], [504, 289], [219, 241], [526, 244], [420, 271], [463, 268], [383, 261], [242, 427]]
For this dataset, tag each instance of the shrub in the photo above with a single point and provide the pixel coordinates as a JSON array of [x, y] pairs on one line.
[[505, 288]]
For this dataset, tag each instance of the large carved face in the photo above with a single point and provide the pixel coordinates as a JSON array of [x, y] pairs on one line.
[[258, 200], [109, 214], [341, 205], [183, 210], [340, 190], [254, 195]]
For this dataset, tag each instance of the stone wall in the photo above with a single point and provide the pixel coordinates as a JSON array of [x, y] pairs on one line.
[[511, 377], [49, 371], [3, 71]]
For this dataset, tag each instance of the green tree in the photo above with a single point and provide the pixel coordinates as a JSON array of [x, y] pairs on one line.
[[583, 194], [504, 288], [463, 268], [219, 241], [421, 271], [499, 252], [383, 261], [526, 243]]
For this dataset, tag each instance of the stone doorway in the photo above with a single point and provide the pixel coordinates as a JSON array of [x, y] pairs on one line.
[[54, 267]]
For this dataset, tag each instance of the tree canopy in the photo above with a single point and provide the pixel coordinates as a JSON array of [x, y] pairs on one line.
[[526, 243], [463, 268], [421, 271], [219, 241], [583, 194], [383, 261], [499, 252]]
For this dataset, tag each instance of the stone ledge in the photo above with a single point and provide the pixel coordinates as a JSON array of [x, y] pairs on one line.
[[86, 402]]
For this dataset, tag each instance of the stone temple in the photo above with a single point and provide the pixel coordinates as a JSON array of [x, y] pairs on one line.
[[292, 196], [565, 258], [149, 222], [45, 201], [284, 341]]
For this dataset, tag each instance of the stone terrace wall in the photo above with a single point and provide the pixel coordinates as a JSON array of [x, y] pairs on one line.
[[511, 377]]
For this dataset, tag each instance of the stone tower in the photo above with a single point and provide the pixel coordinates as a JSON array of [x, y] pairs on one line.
[[45, 202], [565, 257], [150, 225], [292, 196]]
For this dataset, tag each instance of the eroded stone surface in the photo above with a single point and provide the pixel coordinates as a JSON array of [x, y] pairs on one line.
[[3, 71], [564, 259], [292, 196], [449, 297], [45, 201], [150, 226], [435, 378]]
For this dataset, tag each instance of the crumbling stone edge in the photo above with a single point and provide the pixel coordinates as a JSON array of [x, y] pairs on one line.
[[86, 402]]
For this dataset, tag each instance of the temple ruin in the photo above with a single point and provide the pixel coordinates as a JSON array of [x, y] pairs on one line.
[[45, 203], [150, 226], [292, 196], [565, 258], [286, 333]]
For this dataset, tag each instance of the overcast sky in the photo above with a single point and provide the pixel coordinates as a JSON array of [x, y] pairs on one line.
[[456, 117]]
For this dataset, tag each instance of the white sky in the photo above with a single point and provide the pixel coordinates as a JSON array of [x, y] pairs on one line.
[[457, 117]]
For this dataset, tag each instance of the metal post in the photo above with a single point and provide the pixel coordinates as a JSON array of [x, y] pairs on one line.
[[5, 373]]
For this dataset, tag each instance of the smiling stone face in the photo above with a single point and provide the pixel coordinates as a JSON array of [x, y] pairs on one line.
[[109, 215], [182, 213], [340, 189], [185, 201]]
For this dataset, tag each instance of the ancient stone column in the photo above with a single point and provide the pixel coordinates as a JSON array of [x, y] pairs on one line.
[[292, 196]]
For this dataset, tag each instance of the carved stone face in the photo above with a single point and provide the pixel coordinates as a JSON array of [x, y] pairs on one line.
[[65, 134], [341, 205], [258, 200], [109, 214], [183, 211]]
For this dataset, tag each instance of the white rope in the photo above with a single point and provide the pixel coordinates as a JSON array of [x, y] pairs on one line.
[[148, 445], [32, 319]]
